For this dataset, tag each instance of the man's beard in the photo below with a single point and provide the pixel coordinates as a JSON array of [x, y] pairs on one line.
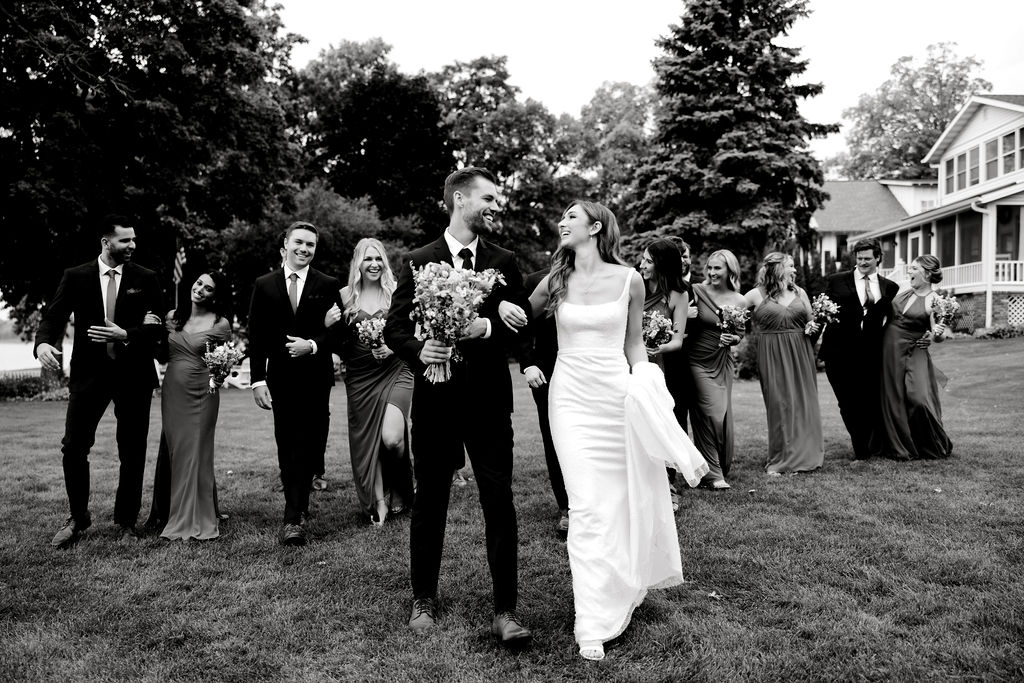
[[477, 224]]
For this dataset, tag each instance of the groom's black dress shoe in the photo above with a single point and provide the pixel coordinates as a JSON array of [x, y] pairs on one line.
[[424, 615], [508, 630], [69, 534], [293, 534]]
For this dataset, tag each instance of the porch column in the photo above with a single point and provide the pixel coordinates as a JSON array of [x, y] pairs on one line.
[[988, 254]]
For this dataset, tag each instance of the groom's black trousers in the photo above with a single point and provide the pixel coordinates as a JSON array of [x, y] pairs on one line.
[[131, 399], [438, 451], [302, 418]]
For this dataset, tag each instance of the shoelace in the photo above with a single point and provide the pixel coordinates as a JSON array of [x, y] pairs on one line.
[[421, 607]]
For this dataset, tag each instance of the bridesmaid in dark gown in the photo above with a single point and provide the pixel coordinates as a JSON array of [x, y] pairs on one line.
[[665, 292], [711, 363], [379, 390], [189, 410], [785, 362], [911, 412]]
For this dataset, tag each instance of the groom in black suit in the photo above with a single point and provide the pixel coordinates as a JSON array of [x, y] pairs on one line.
[[472, 409], [851, 347], [112, 361], [291, 368]]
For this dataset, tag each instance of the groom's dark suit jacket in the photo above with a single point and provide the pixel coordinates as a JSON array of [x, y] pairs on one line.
[[80, 293], [846, 339], [485, 364], [271, 320]]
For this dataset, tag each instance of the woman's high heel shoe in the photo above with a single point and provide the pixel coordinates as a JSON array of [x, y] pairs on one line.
[[380, 515], [592, 650]]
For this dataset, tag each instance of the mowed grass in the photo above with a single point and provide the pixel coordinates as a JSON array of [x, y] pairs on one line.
[[862, 571]]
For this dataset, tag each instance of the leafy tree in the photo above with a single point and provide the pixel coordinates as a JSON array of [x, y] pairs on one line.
[[615, 131], [165, 111], [374, 132], [894, 128], [731, 166], [522, 143]]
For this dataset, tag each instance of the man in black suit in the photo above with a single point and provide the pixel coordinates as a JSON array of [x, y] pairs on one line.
[[537, 364], [472, 410], [112, 360], [291, 369], [851, 347]]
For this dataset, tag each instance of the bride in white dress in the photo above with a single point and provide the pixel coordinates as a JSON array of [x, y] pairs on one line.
[[622, 537]]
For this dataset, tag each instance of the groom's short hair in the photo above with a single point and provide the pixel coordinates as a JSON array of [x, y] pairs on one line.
[[106, 225], [460, 180], [867, 243], [300, 225]]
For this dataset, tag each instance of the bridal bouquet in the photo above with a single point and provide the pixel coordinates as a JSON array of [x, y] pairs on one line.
[[823, 309], [657, 329], [371, 332], [220, 360], [732, 319], [446, 302], [944, 308]]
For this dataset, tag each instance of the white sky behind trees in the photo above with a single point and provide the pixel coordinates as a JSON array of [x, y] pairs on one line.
[[560, 51]]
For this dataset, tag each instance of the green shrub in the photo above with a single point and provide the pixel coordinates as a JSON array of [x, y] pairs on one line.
[[25, 387], [745, 355], [1000, 332]]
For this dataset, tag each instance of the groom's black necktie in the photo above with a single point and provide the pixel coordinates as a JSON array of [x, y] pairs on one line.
[[467, 258], [869, 298]]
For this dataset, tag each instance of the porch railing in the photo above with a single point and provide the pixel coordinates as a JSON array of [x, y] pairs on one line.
[[1010, 272]]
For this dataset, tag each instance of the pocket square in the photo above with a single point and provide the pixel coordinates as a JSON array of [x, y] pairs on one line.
[[133, 290]]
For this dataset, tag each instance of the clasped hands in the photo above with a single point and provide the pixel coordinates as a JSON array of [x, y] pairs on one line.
[[434, 351], [936, 334]]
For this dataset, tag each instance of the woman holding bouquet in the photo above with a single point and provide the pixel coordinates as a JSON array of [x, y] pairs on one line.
[[378, 386], [911, 414], [708, 348], [622, 538], [667, 295], [785, 363], [189, 408]]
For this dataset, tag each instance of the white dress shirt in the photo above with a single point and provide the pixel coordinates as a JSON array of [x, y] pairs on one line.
[[872, 281], [455, 246]]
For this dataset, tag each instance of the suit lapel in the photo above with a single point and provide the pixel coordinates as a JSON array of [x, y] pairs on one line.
[[282, 291], [441, 253], [483, 256]]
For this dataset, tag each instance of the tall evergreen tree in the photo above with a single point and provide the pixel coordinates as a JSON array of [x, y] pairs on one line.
[[731, 166]]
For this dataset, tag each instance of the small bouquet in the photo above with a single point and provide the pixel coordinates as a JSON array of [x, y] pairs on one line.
[[732, 319], [371, 332], [657, 329], [824, 310], [944, 308], [220, 360], [445, 303]]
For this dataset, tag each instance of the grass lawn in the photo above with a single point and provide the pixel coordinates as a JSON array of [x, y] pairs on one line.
[[862, 571]]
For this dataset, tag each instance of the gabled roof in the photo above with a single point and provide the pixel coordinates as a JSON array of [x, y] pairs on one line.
[[963, 117], [857, 206]]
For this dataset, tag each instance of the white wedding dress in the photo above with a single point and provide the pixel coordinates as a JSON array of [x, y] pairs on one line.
[[622, 535]]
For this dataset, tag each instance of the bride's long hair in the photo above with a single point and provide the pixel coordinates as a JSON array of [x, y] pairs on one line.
[[563, 263], [355, 277]]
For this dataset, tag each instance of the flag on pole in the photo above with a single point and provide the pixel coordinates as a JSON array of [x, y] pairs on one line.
[[179, 262]]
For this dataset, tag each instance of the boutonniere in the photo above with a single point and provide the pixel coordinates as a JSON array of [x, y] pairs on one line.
[[133, 290]]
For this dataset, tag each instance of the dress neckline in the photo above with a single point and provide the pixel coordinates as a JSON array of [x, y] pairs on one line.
[[625, 290]]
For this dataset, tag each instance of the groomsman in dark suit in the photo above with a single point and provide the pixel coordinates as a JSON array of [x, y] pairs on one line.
[[112, 361], [291, 368], [472, 410], [851, 347], [537, 363]]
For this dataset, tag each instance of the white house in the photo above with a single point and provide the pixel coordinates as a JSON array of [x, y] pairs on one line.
[[855, 207], [975, 226]]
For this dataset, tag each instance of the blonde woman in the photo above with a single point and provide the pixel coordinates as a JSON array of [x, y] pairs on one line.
[[378, 386], [785, 363]]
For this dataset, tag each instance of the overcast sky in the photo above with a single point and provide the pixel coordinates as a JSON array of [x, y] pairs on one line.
[[560, 51]]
